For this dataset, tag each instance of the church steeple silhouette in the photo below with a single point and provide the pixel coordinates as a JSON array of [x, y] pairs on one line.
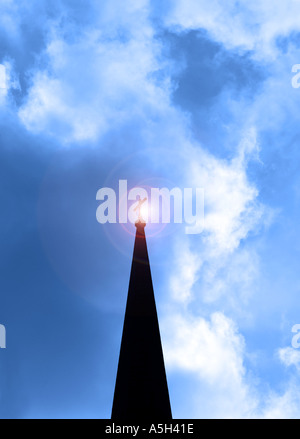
[[141, 390]]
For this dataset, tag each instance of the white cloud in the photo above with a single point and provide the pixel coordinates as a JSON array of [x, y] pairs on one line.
[[109, 86], [284, 406], [3, 82], [242, 24], [232, 279], [213, 351], [217, 265], [231, 203], [186, 268], [8, 81], [290, 357], [209, 349], [2, 77]]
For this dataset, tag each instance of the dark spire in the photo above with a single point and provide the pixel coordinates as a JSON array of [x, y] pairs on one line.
[[141, 390]]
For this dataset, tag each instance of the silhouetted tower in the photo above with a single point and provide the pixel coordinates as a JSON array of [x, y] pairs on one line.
[[141, 390]]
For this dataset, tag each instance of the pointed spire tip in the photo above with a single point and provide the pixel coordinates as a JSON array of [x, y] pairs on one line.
[[140, 224]]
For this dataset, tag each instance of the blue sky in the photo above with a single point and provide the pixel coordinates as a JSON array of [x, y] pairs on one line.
[[188, 93]]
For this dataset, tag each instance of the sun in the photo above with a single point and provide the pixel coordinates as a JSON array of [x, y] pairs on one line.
[[144, 211]]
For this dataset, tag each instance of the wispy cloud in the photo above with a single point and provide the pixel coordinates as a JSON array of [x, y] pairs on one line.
[[112, 84], [244, 25], [290, 357], [8, 81]]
